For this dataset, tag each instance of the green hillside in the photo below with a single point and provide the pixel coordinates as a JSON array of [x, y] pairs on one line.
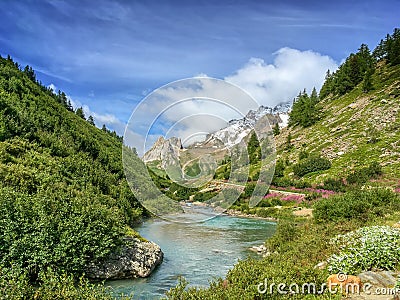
[[353, 130], [64, 200]]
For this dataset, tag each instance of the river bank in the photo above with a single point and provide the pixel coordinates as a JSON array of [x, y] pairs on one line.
[[228, 212]]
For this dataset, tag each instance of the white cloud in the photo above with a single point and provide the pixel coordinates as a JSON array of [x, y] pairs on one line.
[[53, 87], [292, 71], [110, 120]]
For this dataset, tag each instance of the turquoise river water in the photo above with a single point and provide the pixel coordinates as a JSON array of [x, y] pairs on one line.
[[198, 251]]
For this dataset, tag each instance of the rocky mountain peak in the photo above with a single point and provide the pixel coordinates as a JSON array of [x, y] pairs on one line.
[[163, 149]]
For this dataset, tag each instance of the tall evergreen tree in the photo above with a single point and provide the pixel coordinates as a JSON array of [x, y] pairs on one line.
[[276, 130], [304, 111], [91, 120], [79, 112]]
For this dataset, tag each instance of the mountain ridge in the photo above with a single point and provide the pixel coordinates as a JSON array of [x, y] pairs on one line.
[[224, 138]]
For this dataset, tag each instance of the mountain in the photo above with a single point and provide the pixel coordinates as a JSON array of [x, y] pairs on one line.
[[219, 142], [239, 129], [163, 149]]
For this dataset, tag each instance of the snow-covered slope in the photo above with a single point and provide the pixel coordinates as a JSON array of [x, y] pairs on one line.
[[238, 129]]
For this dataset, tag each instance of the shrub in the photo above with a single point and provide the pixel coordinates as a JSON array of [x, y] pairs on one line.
[[301, 184], [14, 284], [336, 185], [365, 249], [39, 231], [303, 154], [282, 182], [279, 168], [362, 175], [361, 205], [200, 197], [285, 232], [248, 190], [311, 164]]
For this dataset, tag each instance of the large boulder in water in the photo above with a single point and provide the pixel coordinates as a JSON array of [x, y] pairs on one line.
[[135, 259]]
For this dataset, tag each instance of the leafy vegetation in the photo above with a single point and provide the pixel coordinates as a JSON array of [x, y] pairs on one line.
[[64, 199], [310, 164], [359, 204], [367, 248], [14, 284]]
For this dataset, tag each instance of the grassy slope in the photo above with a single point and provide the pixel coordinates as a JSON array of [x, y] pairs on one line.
[[347, 124]]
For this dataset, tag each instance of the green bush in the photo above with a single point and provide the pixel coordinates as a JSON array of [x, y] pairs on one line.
[[279, 168], [14, 284], [336, 185], [375, 247], [362, 175], [301, 184], [201, 197], [311, 164], [286, 231], [282, 182], [303, 154], [61, 232], [362, 205]]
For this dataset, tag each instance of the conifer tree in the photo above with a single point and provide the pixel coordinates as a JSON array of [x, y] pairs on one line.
[[276, 130]]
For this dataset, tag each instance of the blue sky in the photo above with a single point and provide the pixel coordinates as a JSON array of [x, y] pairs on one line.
[[107, 55]]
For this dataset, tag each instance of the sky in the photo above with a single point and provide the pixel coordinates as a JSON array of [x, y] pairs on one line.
[[107, 56]]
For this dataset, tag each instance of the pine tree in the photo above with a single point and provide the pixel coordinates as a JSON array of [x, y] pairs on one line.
[[91, 120], [276, 130], [304, 111], [79, 112], [254, 149]]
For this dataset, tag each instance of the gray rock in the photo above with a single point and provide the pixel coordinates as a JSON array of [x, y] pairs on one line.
[[321, 265], [135, 259], [382, 278]]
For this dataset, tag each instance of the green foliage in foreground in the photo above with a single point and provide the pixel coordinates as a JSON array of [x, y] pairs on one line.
[[375, 247], [297, 246], [42, 230], [14, 284], [64, 200], [363, 205]]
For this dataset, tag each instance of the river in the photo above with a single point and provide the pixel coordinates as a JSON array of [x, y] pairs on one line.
[[198, 251]]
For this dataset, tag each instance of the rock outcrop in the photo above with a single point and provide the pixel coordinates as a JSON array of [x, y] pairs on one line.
[[135, 259], [164, 150]]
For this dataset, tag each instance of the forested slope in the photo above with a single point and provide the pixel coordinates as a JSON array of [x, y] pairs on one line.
[[64, 200]]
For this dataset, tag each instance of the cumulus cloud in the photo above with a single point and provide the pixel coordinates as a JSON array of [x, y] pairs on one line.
[[292, 71], [192, 108]]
